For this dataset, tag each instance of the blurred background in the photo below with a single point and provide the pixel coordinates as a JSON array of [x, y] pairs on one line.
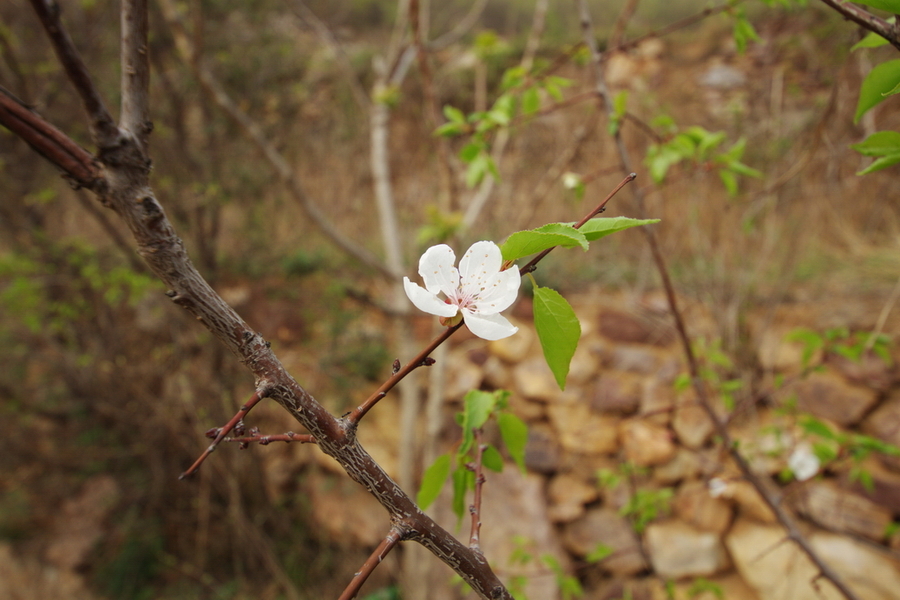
[[107, 388]]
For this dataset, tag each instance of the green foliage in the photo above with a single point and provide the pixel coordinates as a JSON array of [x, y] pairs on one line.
[[643, 505], [701, 585], [388, 593], [884, 146], [881, 81], [526, 243], [841, 342], [701, 148], [478, 408], [743, 32], [558, 330]]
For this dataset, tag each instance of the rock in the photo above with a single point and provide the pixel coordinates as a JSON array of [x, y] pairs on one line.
[[605, 526], [584, 365], [745, 496], [694, 505], [80, 523], [542, 452], [684, 465], [870, 371], [580, 430], [678, 550], [777, 354], [515, 347], [616, 391], [692, 425], [829, 396], [462, 376], [567, 495], [534, 380], [778, 570], [884, 423], [633, 358], [885, 489], [657, 401], [620, 326], [496, 374], [646, 444], [842, 511]]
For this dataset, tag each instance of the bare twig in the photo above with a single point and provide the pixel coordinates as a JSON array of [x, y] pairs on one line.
[[265, 440], [135, 116], [220, 433], [103, 127], [360, 577], [475, 507], [785, 519]]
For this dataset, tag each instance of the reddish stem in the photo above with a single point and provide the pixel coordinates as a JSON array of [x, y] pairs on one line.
[[222, 432], [265, 440], [359, 578], [475, 507]]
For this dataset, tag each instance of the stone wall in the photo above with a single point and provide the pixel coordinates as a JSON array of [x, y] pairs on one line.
[[620, 407]]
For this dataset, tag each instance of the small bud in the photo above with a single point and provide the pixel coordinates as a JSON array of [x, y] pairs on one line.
[[395, 368]]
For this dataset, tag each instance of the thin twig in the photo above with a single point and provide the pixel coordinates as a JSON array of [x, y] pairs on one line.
[[359, 578], [222, 432], [265, 440], [475, 507], [103, 127], [699, 388], [866, 20]]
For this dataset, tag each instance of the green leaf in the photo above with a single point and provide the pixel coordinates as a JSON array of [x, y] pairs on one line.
[[433, 480], [450, 130], [477, 407], [880, 80], [514, 432], [531, 101], [558, 329], [491, 459], [879, 144], [525, 243], [454, 115], [891, 6], [599, 552], [463, 481], [470, 151], [729, 179], [872, 40], [814, 426], [603, 226]]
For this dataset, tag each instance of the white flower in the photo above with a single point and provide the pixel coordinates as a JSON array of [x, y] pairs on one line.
[[477, 292], [717, 487], [803, 463]]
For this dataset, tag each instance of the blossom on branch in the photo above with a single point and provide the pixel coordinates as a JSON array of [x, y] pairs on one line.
[[475, 293], [803, 463]]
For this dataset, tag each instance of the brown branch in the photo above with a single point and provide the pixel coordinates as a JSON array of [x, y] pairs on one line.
[[265, 440], [76, 163], [135, 116], [786, 521], [360, 577], [475, 507], [103, 127], [866, 20], [218, 434]]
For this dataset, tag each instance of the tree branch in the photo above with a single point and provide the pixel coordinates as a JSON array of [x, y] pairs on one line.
[[135, 116], [360, 577], [866, 20], [103, 127]]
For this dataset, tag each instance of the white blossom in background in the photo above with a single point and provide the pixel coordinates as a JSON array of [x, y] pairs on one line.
[[475, 293], [717, 487], [803, 462]]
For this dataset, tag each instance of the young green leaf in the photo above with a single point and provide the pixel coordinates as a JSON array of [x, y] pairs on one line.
[[477, 407], [883, 144], [433, 480], [526, 243], [878, 82], [491, 459], [558, 329], [463, 481], [514, 432], [603, 226]]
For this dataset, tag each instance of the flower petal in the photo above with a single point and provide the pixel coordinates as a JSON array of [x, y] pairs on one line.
[[488, 327], [480, 262], [437, 270], [500, 293], [426, 301]]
